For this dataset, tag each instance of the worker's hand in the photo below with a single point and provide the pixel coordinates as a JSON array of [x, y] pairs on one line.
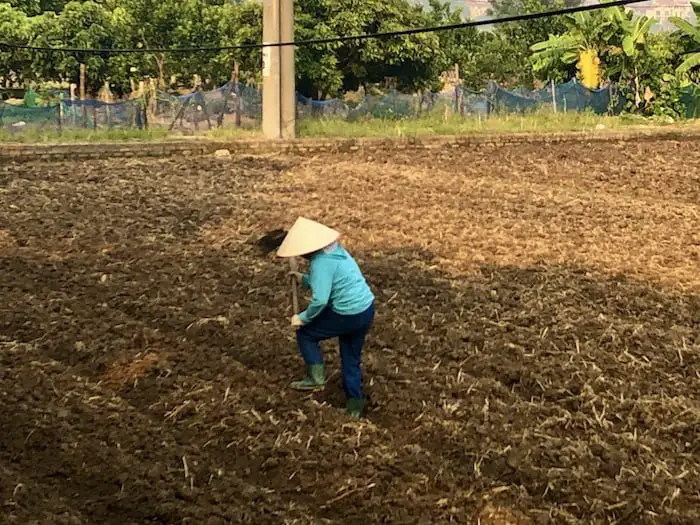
[[297, 322], [298, 276]]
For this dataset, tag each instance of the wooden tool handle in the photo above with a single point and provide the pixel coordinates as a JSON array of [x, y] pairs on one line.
[[295, 296], [295, 293]]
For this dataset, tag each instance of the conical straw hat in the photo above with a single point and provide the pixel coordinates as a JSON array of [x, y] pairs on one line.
[[306, 236]]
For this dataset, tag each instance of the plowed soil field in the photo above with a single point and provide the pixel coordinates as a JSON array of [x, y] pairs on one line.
[[535, 359]]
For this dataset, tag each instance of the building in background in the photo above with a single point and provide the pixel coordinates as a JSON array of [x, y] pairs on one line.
[[661, 10], [471, 9], [476, 9]]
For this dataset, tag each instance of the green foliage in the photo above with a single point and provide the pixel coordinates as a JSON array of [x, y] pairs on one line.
[[14, 28], [630, 47], [656, 69], [413, 62], [533, 122], [150, 24], [83, 25], [512, 61], [691, 32], [628, 51], [464, 47], [36, 7], [619, 39], [515, 7], [590, 30], [690, 100], [668, 99], [239, 24], [630, 56]]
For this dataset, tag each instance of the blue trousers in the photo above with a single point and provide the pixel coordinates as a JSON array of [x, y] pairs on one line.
[[351, 331]]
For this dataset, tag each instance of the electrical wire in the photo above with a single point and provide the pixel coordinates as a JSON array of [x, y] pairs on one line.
[[331, 40]]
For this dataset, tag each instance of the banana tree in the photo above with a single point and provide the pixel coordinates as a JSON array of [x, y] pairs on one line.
[[633, 33], [587, 37], [692, 60]]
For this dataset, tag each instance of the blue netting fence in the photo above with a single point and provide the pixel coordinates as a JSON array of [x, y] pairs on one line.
[[570, 96], [241, 105], [17, 119], [95, 114]]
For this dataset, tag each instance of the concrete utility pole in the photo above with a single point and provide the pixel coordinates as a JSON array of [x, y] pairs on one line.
[[288, 73], [279, 97]]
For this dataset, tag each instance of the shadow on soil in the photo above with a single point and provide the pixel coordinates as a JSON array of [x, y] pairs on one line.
[[553, 390]]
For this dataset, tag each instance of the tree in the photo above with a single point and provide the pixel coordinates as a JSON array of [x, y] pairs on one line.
[[511, 65], [460, 46], [634, 33], [317, 69], [411, 62], [14, 28], [587, 37], [607, 44], [188, 23], [80, 25], [148, 24], [500, 8], [496, 59], [656, 69], [239, 24], [692, 60], [198, 25], [37, 7]]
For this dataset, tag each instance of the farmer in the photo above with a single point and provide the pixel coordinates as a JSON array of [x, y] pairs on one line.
[[342, 306]]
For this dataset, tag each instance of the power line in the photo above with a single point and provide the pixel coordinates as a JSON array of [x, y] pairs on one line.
[[332, 40]]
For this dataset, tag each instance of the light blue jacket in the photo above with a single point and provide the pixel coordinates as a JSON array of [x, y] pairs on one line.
[[335, 280]]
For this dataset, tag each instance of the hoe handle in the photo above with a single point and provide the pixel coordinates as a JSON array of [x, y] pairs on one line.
[[295, 293]]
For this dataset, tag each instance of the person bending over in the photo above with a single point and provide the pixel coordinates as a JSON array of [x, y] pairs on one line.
[[342, 306]]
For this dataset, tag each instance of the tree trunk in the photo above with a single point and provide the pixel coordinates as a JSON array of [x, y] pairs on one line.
[[160, 62], [637, 96], [83, 73], [152, 98], [82, 81], [237, 91]]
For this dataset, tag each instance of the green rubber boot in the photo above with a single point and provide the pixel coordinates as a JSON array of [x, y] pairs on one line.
[[354, 407], [315, 379]]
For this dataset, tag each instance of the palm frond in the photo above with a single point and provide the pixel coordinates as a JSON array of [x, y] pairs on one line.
[[691, 62], [686, 27]]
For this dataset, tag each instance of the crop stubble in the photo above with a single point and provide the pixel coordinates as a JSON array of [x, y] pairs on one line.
[[535, 357]]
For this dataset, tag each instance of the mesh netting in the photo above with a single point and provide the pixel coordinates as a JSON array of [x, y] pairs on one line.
[[222, 107], [241, 105], [16, 119], [96, 114], [307, 108], [570, 96]]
